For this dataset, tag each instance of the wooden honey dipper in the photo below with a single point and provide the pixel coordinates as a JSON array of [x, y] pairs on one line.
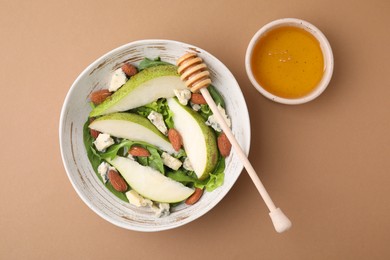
[[194, 73]]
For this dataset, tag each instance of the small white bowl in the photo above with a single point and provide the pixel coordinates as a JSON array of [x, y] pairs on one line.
[[75, 112], [325, 47]]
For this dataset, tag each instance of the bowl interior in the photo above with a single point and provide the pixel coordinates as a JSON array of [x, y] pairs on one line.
[[75, 111], [326, 51]]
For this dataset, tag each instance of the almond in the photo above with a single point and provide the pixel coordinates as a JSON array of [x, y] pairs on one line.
[[139, 151], [116, 180], [129, 69], [99, 96], [194, 197], [175, 139], [94, 133], [197, 98], [224, 145]]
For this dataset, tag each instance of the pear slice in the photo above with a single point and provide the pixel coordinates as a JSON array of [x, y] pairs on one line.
[[150, 183], [199, 140], [144, 87], [132, 127]]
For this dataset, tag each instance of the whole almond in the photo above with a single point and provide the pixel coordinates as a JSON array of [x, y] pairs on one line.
[[194, 197], [224, 145], [99, 96], [94, 133], [139, 151], [116, 180], [175, 139], [129, 69], [197, 98]]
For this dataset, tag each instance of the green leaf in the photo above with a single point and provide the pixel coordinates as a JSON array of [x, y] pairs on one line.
[[180, 154], [205, 111], [216, 178], [147, 63], [95, 159], [154, 160], [160, 106], [113, 150], [93, 156], [216, 96], [186, 178]]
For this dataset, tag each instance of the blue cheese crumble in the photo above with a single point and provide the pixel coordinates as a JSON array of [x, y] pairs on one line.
[[158, 120], [211, 121]]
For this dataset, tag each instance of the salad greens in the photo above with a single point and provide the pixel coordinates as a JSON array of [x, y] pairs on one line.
[[95, 160], [159, 106], [147, 63], [122, 146]]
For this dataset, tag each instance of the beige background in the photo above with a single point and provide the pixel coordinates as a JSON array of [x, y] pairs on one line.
[[325, 163]]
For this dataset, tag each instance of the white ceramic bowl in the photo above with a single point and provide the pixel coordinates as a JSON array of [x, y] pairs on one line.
[[74, 114], [325, 47]]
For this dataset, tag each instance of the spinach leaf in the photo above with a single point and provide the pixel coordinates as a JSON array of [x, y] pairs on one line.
[[181, 176], [93, 156], [216, 96], [147, 63], [154, 160], [113, 150], [96, 159]]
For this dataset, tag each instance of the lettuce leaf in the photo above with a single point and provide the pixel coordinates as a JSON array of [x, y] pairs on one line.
[[160, 106], [216, 178], [189, 178]]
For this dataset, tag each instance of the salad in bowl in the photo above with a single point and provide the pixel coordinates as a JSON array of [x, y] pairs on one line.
[[140, 149]]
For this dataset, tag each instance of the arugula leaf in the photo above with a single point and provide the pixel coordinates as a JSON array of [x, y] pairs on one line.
[[147, 63]]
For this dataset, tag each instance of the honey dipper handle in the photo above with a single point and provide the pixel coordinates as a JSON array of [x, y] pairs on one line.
[[280, 221]]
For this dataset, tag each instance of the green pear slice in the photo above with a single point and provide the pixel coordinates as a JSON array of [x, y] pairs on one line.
[[146, 86], [199, 140], [149, 182], [132, 127]]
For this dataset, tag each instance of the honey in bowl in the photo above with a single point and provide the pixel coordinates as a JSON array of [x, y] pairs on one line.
[[288, 62]]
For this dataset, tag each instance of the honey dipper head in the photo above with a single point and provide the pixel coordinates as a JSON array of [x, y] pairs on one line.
[[193, 72]]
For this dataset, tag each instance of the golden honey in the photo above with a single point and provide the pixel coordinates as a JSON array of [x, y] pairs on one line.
[[288, 62]]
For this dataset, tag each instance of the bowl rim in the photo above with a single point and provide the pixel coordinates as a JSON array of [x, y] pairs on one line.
[[62, 142], [326, 51]]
